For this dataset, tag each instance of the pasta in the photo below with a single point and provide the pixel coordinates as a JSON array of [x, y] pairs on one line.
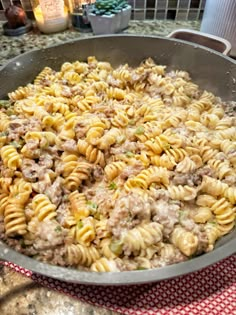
[[112, 169]]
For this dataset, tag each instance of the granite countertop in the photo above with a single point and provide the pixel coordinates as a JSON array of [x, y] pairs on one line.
[[20, 295], [13, 46]]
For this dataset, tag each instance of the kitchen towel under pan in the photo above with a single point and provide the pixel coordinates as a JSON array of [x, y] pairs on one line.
[[210, 291]]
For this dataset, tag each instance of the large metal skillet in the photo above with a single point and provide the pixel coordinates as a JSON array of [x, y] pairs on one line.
[[211, 70]]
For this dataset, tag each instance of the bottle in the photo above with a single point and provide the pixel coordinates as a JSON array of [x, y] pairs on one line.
[[79, 15], [51, 15]]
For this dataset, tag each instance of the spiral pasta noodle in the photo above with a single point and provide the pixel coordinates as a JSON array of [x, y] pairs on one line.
[[10, 157], [43, 208]]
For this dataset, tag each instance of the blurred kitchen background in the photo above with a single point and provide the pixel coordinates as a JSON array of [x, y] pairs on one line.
[[148, 17], [143, 9]]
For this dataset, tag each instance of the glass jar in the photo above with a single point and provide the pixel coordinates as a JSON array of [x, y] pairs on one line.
[[51, 15], [79, 15]]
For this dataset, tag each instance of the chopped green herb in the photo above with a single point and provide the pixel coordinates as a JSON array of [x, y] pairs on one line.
[[139, 130], [15, 144], [92, 204], [112, 186], [10, 112], [141, 268], [5, 103], [129, 154], [212, 222], [132, 122], [58, 229], [4, 134], [80, 224], [116, 247]]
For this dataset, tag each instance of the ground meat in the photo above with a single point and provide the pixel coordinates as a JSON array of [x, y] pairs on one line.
[[157, 194], [70, 146], [29, 250], [129, 211], [55, 191], [139, 77], [49, 234], [180, 179], [140, 206], [178, 74], [184, 132], [41, 186], [169, 254], [19, 127], [5, 171], [203, 241], [114, 82], [55, 256], [220, 156], [62, 212], [131, 170], [32, 171], [97, 172], [101, 198], [127, 146], [46, 160], [81, 129], [29, 212], [193, 179], [90, 193], [230, 180], [107, 110], [166, 213], [230, 108], [206, 170], [32, 150], [66, 91], [126, 264], [187, 222]]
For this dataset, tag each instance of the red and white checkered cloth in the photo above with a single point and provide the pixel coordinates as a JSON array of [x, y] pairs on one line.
[[210, 291]]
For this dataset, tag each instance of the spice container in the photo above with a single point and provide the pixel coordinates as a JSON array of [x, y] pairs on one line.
[[51, 15], [79, 16]]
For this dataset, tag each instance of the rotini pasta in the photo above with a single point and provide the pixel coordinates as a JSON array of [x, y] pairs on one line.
[[109, 169]]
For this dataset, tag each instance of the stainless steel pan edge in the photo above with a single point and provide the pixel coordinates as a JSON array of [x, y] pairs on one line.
[[125, 277], [211, 70]]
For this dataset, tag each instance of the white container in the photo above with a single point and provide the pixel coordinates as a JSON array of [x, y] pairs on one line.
[[105, 24], [220, 19], [125, 17], [110, 24]]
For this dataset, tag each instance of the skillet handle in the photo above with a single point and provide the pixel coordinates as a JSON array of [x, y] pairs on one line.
[[214, 42]]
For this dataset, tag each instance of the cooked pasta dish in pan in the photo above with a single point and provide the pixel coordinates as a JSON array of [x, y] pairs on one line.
[[113, 169]]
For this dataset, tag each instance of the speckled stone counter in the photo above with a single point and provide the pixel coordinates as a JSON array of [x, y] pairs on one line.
[[13, 46], [20, 295]]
